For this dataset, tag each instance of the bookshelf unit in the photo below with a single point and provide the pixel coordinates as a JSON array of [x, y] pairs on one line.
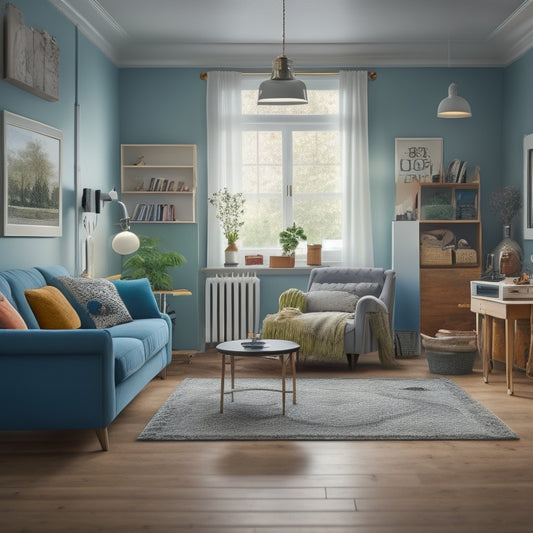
[[445, 275], [163, 189]]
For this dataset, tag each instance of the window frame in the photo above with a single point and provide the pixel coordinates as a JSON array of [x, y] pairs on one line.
[[287, 124]]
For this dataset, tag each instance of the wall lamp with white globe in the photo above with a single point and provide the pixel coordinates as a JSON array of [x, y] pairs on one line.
[[125, 242]]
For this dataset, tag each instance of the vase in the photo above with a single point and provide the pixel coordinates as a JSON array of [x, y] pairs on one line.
[[314, 254], [508, 256], [231, 255]]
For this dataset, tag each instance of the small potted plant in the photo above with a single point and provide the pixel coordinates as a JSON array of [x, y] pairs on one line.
[[150, 262], [289, 239], [230, 213]]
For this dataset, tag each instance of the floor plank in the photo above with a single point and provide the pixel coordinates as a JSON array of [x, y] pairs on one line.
[[60, 481]]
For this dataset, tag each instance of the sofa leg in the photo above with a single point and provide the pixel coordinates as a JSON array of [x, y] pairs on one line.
[[103, 437], [352, 359], [163, 373]]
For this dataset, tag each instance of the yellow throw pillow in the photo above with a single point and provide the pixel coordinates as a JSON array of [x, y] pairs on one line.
[[51, 309], [9, 317]]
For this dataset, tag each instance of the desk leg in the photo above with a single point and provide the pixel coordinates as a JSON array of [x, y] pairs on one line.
[[486, 353], [222, 374], [509, 353]]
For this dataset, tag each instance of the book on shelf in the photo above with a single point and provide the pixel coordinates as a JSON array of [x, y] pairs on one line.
[[154, 213]]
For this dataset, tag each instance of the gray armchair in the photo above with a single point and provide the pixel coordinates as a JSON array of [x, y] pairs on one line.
[[375, 288]]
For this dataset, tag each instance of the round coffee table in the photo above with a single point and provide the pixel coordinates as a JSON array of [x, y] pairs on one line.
[[285, 351]]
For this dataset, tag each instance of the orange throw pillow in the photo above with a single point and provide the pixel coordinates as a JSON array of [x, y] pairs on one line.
[[9, 317], [51, 309]]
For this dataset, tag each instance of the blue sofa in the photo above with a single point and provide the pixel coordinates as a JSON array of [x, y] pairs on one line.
[[77, 378]]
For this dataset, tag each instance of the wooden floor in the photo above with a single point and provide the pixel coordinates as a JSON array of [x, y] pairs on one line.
[[60, 481]]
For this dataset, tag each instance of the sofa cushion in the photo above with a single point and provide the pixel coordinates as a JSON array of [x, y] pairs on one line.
[[152, 332], [52, 309], [138, 297], [97, 299], [9, 317], [129, 357], [341, 301], [21, 279]]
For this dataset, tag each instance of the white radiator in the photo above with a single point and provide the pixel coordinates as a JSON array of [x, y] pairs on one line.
[[231, 307]]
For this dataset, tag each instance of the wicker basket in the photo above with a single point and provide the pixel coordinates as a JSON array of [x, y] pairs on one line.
[[464, 256], [453, 355], [435, 256]]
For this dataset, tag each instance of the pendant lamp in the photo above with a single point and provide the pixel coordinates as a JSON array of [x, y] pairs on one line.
[[454, 106], [282, 88]]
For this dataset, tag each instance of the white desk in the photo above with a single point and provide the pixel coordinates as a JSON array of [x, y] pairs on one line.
[[510, 311]]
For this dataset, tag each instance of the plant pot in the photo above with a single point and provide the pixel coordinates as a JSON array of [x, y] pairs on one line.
[[281, 261], [314, 254], [231, 255]]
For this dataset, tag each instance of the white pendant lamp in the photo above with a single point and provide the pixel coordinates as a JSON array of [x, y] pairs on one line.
[[282, 88], [454, 106]]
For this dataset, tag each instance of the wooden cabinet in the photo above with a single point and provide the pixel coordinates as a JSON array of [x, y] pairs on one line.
[[450, 212], [445, 299], [158, 182]]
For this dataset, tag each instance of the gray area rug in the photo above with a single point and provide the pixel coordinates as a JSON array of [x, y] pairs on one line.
[[326, 409]]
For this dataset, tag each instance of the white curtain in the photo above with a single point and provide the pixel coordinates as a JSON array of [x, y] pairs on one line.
[[357, 222], [223, 150]]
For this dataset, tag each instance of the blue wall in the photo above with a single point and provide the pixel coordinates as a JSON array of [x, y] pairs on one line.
[[518, 122], [168, 106], [98, 161]]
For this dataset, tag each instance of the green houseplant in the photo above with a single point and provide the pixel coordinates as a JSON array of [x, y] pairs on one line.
[[289, 239], [150, 262]]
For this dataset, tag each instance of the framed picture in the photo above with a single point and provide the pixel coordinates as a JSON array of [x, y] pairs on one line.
[[416, 161], [31, 178]]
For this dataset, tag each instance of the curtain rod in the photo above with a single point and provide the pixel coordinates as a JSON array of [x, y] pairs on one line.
[[372, 74]]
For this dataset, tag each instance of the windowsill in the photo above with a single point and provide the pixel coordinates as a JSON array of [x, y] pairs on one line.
[[261, 270]]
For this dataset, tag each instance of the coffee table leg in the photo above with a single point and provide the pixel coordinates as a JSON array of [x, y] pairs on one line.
[[222, 373], [232, 367], [283, 362], [293, 357]]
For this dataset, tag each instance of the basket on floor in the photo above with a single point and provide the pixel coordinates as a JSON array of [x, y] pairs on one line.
[[451, 353]]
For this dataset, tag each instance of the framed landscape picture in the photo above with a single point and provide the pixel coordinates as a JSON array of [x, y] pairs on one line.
[[31, 178]]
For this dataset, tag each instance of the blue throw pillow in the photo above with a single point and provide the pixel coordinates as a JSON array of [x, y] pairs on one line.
[[138, 297]]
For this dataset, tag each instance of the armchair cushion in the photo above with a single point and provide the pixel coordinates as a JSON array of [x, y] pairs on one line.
[[321, 300], [359, 289]]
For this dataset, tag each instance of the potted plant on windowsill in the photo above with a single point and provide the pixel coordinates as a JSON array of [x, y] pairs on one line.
[[289, 239], [230, 213]]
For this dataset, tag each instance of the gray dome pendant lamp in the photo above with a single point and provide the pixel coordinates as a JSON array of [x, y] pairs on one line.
[[454, 106], [282, 88]]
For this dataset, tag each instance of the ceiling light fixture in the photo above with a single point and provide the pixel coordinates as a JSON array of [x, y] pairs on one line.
[[282, 88], [454, 106]]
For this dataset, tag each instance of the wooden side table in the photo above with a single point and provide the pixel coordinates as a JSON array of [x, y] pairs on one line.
[[161, 297]]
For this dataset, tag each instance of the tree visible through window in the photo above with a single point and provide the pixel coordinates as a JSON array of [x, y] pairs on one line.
[[291, 169]]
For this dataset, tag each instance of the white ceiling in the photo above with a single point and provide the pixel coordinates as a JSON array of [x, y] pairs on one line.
[[319, 33]]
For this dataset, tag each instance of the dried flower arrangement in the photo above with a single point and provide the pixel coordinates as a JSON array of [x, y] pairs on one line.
[[506, 202]]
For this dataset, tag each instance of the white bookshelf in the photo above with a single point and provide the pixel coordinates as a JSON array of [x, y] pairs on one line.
[[163, 189]]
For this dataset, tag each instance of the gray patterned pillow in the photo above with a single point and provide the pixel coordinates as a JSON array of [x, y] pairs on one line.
[[361, 289], [99, 299], [340, 301]]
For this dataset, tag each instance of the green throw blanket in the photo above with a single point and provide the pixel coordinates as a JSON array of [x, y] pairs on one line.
[[322, 334]]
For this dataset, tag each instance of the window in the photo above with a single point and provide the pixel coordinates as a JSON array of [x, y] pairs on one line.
[[291, 169]]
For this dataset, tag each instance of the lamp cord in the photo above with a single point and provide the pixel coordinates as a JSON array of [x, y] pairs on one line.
[[283, 27]]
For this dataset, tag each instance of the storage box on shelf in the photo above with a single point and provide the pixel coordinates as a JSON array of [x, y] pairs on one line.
[[158, 182]]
